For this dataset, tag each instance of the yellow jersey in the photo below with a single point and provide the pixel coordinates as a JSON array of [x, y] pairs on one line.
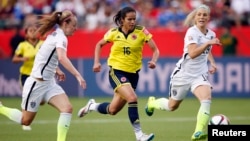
[[126, 51], [25, 49]]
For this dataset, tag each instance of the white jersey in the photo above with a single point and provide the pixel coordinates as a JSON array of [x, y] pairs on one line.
[[46, 60], [187, 68]]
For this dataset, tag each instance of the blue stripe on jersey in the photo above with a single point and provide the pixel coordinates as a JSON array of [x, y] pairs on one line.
[[53, 51]]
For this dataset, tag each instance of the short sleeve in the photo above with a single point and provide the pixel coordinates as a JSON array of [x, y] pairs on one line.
[[108, 36], [61, 42], [147, 34], [19, 49], [191, 37]]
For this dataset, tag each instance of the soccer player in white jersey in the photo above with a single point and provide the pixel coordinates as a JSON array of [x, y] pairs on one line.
[[41, 84], [191, 71]]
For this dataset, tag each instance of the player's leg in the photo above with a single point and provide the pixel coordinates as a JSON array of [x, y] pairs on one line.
[[32, 95], [202, 90], [24, 117], [127, 92], [12, 113], [27, 117], [106, 107], [29, 108], [159, 104], [111, 108], [63, 105], [23, 78], [115, 105], [125, 84], [176, 94]]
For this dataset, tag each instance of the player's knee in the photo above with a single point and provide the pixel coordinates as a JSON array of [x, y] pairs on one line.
[[69, 109], [132, 98], [66, 109]]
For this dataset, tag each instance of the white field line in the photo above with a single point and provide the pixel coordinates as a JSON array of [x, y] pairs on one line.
[[124, 120]]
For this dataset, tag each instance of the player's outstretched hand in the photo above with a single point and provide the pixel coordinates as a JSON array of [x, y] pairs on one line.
[[97, 67], [82, 82], [215, 41], [213, 69], [60, 75], [151, 64]]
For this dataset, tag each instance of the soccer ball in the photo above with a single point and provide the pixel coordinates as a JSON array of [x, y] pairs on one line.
[[219, 119]]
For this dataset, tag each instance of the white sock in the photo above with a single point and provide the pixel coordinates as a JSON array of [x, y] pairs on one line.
[[205, 106], [138, 134], [93, 107], [63, 126], [12, 113], [162, 103]]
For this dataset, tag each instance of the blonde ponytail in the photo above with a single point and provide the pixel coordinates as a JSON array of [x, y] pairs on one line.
[[189, 21]]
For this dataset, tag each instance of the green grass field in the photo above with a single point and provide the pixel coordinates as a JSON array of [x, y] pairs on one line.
[[167, 126]]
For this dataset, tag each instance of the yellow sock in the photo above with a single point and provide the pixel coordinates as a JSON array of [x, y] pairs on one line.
[[63, 126], [203, 116], [12, 113]]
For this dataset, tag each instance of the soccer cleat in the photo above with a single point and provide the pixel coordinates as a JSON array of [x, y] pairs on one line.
[[149, 110], [26, 128], [85, 110], [146, 137], [197, 136]]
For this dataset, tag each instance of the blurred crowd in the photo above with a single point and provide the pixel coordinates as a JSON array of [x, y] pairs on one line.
[[98, 14]]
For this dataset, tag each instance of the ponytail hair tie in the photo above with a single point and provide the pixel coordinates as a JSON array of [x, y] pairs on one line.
[[58, 17]]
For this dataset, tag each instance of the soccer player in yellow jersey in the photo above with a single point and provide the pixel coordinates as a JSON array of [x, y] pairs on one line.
[[25, 53], [125, 61]]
